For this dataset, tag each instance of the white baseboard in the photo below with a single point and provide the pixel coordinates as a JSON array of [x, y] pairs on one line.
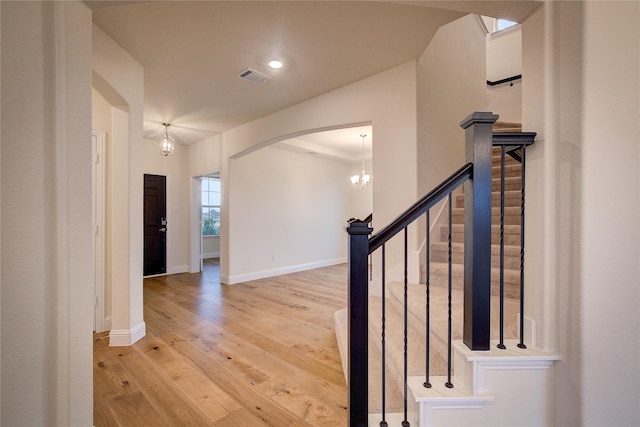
[[178, 269], [105, 325], [172, 270], [239, 278], [211, 255], [125, 337]]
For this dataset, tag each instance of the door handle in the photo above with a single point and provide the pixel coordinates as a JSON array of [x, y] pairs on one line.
[[163, 229]]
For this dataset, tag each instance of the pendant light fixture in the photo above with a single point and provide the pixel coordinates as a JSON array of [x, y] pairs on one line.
[[363, 179], [167, 143]]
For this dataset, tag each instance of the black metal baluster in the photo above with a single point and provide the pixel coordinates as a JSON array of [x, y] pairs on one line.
[[449, 384], [427, 383], [502, 173], [524, 162], [405, 423], [383, 423]]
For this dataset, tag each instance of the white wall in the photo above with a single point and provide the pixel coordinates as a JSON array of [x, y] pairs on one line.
[[581, 94], [175, 168], [451, 85], [552, 108], [204, 156], [386, 100], [504, 53], [293, 208], [46, 284], [611, 129], [211, 246], [119, 78], [506, 99], [504, 59]]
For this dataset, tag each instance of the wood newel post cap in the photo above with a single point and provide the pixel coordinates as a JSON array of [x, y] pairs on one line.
[[358, 227], [479, 117]]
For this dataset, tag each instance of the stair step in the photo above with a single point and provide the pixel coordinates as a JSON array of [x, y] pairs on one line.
[[510, 170], [510, 183], [394, 396], [394, 337], [438, 337], [510, 384], [394, 418], [512, 198], [440, 253], [512, 215], [508, 160], [394, 356], [511, 234], [439, 393], [416, 319], [495, 152], [501, 126], [438, 299], [440, 278]]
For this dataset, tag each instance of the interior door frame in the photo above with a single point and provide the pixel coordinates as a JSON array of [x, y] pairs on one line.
[[195, 226], [168, 218], [98, 147]]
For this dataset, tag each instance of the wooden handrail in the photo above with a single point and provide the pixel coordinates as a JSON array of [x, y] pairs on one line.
[[421, 206], [513, 138], [514, 141]]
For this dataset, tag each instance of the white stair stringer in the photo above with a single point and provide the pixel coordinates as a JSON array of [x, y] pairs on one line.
[[496, 387]]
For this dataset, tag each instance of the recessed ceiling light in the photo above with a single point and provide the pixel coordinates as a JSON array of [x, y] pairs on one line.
[[274, 63]]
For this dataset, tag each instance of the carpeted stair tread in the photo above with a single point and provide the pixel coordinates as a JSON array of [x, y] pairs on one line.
[[510, 169], [394, 327], [440, 276], [512, 215], [508, 160], [394, 352], [394, 355], [440, 253], [502, 126], [394, 399], [438, 299], [511, 234], [512, 198], [510, 183]]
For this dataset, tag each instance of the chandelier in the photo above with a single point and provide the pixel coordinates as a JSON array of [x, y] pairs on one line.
[[363, 179], [167, 143]]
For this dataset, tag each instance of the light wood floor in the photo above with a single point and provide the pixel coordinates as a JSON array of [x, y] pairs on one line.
[[262, 353]]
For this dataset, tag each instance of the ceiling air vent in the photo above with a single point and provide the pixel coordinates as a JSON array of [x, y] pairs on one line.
[[254, 76]]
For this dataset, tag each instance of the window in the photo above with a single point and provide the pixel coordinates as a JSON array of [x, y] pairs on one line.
[[502, 24], [210, 188]]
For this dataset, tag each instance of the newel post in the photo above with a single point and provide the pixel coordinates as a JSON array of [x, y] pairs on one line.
[[477, 230], [357, 314]]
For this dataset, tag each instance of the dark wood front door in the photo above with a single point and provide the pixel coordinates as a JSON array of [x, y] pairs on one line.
[[155, 224]]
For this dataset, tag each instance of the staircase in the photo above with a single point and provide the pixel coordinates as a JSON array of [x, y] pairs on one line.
[[512, 237], [481, 380], [439, 295]]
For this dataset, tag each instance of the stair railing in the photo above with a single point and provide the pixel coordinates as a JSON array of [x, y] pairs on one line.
[[515, 145], [476, 176]]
